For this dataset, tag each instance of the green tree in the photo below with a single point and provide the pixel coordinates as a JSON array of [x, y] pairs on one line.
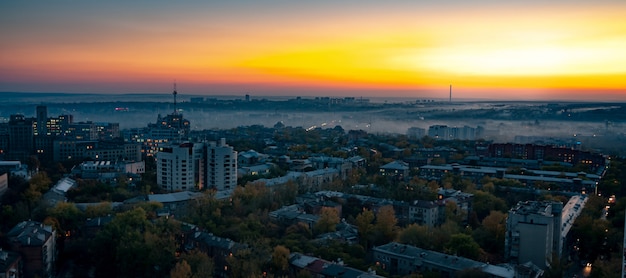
[[485, 202], [135, 246], [464, 246], [68, 215], [365, 224]]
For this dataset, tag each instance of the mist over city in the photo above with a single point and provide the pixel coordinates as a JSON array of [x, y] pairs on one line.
[[597, 125]]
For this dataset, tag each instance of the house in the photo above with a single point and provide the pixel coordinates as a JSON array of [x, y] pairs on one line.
[[255, 170], [10, 264], [396, 170], [57, 193], [15, 168], [321, 268], [93, 225], [251, 157], [36, 243], [217, 248], [344, 232], [292, 214], [176, 203], [110, 171], [464, 201], [324, 162]]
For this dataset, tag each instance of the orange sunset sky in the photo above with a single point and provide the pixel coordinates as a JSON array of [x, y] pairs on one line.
[[487, 49]]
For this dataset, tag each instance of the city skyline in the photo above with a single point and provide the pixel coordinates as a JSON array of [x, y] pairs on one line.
[[561, 50]]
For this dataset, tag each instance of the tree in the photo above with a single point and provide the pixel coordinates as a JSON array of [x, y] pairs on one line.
[[416, 235], [200, 263], [329, 218], [364, 223], [244, 263], [464, 246], [485, 202], [490, 235], [135, 246], [37, 185], [386, 224], [557, 267], [280, 259], [33, 164], [99, 210], [181, 270], [68, 215], [454, 213], [441, 235]]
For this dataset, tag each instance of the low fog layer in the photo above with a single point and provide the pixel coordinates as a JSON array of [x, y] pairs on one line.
[[597, 125]]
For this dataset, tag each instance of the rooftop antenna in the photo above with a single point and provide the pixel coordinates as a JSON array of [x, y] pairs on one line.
[[175, 93]]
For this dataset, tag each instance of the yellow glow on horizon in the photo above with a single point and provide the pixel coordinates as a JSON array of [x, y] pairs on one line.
[[418, 47], [548, 53]]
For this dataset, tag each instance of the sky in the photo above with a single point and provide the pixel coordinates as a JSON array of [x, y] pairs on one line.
[[485, 49]]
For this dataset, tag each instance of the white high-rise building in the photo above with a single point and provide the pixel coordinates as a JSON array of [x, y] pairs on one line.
[[176, 167], [221, 166], [533, 232], [196, 166]]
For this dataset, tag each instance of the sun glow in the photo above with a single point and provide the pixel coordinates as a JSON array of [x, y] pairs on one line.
[[406, 46]]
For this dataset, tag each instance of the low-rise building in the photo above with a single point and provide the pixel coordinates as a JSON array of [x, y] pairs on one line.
[[325, 269], [423, 212], [396, 170], [176, 203], [110, 171], [250, 158], [67, 149], [58, 192], [256, 170], [293, 214], [10, 264], [402, 259], [554, 180], [36, 243], [94, 225], [217, 248], [344, 232], [15, 168]]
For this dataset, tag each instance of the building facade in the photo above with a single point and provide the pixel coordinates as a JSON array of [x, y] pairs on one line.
[[175, 167], [532, 232], [220, 166], [402, 259], [36, 243]]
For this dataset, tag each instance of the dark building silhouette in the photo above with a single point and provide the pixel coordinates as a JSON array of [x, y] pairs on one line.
[[42, 120], [21, 137], [595, 161]]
